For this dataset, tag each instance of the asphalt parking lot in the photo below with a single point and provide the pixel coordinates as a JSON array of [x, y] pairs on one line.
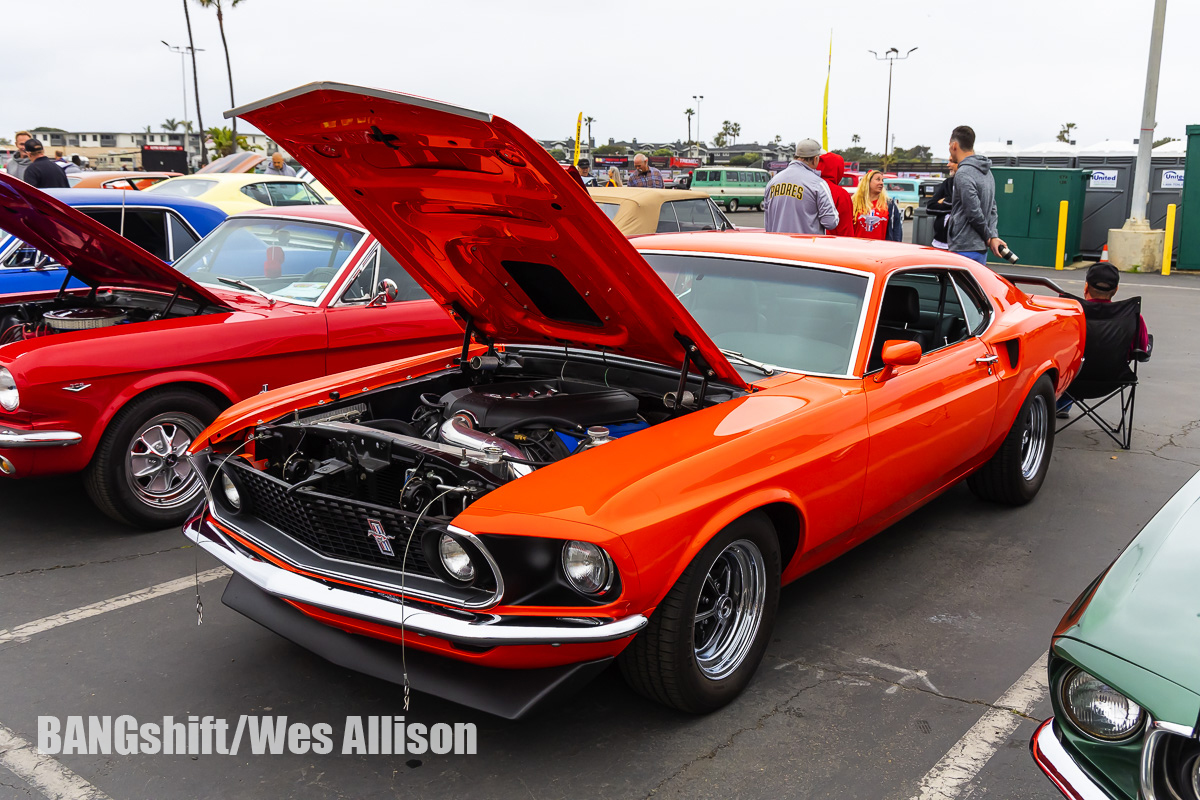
[[893, 673]]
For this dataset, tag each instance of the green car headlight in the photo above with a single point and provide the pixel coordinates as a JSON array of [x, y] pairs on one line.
[[10, 398], [1097, 709]]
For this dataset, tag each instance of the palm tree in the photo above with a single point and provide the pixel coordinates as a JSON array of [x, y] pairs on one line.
[[735, 130], [149, 129], [588, 121], [187, 126], [688, 113], [855, 139], [228, 64], [170, 124], [195, 79]]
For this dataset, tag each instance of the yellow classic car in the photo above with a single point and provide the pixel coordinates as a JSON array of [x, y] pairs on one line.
[[234, 192], [637, 211]]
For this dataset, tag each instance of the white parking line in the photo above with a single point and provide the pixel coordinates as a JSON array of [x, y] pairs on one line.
[[22, 633], [963, 762], [42, 772]]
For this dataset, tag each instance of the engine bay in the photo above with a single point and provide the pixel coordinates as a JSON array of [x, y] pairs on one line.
[[75, 312]]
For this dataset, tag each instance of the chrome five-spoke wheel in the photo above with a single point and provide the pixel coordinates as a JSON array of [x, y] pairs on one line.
[[156, 463]]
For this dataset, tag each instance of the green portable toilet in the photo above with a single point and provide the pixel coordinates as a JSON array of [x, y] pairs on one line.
[[1027, 200], [1187, 218]]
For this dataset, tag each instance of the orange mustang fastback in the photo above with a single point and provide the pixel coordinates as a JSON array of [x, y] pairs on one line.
[[639, 441]]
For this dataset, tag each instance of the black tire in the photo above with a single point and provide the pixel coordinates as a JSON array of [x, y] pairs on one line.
[[663, 663], [1011, 476], [156, 502], [908, 213], [732, 205]]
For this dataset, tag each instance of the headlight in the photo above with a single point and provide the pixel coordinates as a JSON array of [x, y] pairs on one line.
[[587, 567], [1097, 709], [10, 398], [455, 558], [232, 495]]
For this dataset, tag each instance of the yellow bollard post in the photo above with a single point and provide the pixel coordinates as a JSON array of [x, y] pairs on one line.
[[1170, 240], [1061, 247]]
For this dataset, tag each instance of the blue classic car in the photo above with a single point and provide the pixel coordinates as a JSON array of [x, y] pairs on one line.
[[165, 226]]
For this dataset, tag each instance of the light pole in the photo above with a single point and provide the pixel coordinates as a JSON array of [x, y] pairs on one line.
[[891, 55], [1141, 171], [698, 98], [183, 54]]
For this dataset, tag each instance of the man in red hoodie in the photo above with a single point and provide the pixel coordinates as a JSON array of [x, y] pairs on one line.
[[833, 167]]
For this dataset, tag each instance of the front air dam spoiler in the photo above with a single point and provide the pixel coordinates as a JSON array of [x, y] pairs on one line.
[[508, 693]]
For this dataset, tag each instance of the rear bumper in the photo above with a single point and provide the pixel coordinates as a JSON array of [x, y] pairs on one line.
[[1061, 768], [18, 439]]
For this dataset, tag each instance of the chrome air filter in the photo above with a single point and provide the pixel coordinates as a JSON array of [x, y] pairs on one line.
[[79, 319]]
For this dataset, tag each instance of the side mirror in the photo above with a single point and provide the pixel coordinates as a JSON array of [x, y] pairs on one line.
[[897, 353], [385, 293]]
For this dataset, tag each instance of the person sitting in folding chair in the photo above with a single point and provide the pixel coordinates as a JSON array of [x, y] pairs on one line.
[[1116, 338]]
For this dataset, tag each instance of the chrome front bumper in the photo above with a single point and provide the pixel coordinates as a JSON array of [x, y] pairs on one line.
[[483, 631], [1060, 768], [18, 439]]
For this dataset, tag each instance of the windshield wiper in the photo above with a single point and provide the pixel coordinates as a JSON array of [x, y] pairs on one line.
[[766, 369], [250, 288]]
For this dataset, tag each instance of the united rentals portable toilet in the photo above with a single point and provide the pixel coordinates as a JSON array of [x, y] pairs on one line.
[[1048, 154], [1166, 185], [1188, 216], [1109, 196], [1027, 203]]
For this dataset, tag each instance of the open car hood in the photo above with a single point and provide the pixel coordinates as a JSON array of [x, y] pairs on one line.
[[90, 251], [494, 229]]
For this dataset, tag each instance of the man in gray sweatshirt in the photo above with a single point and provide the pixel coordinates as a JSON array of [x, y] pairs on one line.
[[20, 160], [973, 218]]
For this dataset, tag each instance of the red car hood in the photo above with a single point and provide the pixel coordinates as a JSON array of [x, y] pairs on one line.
[[495, 229], [92, 252]]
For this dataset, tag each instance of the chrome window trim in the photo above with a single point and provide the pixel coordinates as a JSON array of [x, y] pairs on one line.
[[794, 262], [368, 260], [991, 307]]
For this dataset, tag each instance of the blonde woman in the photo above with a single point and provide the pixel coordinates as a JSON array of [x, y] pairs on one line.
[[875, 215], [614, 177]]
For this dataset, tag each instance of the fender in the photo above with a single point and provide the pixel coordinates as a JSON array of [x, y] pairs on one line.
[[148, 383]]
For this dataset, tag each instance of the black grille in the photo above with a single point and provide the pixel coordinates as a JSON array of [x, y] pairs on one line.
[[333, 526]]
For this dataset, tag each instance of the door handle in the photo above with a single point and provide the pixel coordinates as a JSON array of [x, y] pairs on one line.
[[989, 360]]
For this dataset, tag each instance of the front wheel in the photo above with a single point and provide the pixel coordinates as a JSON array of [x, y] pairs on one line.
[[139, 474], [706, 639], [1015, 474], [732, 205]]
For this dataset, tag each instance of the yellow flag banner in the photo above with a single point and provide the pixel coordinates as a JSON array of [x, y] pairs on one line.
[[578, 128], [825, 115]]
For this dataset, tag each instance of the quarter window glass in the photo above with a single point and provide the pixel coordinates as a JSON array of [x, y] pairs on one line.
[[146, 229], [667, 223], [609, 209], [362, 288], [291, 194], [182, 239], [258, 192], [976, 308], [693, 215]]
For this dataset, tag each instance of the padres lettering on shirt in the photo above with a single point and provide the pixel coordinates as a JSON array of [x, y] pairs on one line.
[[786, 190]]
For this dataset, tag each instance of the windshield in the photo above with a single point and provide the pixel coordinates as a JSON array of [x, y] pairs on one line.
[[289, 259], [795, 317], [185, 188]]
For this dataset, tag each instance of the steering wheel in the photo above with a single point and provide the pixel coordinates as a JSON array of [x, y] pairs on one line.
[[320, 274]]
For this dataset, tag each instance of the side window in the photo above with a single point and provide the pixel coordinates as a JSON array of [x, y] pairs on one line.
[[939, 320], [256, 191], [976, 307], [314, 198], [693, 215], [389, 267], [762, 177], [182, 239], [362, 288], [145, 228], [290, 194], [667, 223]]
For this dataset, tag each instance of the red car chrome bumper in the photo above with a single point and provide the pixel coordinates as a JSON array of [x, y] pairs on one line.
[[20, 439], [1061, 768]]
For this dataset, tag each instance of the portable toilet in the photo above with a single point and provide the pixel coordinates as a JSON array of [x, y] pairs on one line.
[[1109, 196], [1048, 154]]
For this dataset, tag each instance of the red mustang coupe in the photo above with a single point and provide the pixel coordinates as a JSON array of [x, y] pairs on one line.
[[117, 381]]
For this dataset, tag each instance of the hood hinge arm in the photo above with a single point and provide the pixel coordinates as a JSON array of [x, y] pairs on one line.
[[62, 290], [691, 355], [469, 331], [170, 303]]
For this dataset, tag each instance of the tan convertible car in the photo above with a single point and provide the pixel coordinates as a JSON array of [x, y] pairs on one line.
[[637, 211]]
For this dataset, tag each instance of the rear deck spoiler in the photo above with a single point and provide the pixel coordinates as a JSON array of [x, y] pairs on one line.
[[1036, 281]]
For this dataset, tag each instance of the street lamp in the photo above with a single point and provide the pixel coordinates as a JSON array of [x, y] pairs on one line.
[[183, 54], [891, 55], [698, 98]]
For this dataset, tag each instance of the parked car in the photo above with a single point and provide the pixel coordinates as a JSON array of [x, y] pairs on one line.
[[732, 188], [236, 163], [117, 179], [237, 192], [166, 227], [647, 437], [116, 384], [636, 211], [906, 192], [1122, 670]]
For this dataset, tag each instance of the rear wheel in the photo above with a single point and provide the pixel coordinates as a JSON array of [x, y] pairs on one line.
[[1015, 474], [139, 474], [732, 205], [707, 637], [908, 213]]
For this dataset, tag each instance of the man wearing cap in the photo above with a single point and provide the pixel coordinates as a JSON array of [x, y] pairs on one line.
[[797, 200], [1100, 287], [42, 172]]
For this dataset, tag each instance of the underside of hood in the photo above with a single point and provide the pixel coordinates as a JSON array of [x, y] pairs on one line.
[[491, 226], [89, 250]]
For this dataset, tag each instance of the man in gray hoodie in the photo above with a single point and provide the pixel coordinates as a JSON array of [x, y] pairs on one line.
[[973, 218], [20, 160]]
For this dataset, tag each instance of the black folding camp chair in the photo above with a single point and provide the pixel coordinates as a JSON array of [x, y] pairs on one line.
[[1109, 370]]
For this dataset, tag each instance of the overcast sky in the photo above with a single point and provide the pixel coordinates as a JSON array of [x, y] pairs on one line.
[[1013, 69]]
